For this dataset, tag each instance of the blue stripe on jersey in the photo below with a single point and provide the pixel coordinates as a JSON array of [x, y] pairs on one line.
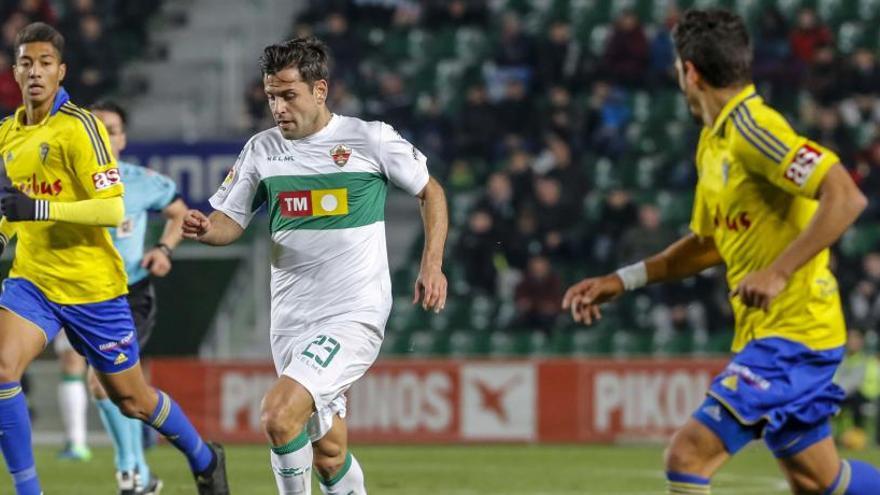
[[769, 152], [764, 131], [91, 129], [759, 132]]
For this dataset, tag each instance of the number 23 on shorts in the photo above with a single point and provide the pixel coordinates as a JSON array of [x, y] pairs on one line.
[[322, 350]]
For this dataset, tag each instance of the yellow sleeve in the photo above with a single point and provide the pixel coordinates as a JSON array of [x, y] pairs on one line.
[[103, 212], [91, 158], [768, 147]]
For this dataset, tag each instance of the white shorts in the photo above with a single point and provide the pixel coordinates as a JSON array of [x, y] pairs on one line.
[[326, 359]]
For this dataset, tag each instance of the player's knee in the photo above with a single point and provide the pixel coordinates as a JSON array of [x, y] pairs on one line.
[[805, 484], [279, 424], [10, 369], [681, 457]]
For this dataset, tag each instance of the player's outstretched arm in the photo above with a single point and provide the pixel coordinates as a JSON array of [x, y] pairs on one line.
[[840, 204], [102, 212], [158, 259], [216, 230], [686, 257], [430, 286]]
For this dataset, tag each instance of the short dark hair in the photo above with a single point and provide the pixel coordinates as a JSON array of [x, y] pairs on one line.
[[36, 32], [111, 106], [717, 42], [310, 56]]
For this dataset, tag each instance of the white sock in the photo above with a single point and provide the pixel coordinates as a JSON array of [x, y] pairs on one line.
[[348, 481], [292, 465], [73, 400]]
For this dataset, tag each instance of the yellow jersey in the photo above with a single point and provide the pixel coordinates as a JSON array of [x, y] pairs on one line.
[[66, 157], [756, 192]]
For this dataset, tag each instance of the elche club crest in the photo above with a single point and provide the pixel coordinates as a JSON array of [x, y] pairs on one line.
[[340, 154]]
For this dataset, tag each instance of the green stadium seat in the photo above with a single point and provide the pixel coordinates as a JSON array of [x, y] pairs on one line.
[[501, 343], [860, 240]]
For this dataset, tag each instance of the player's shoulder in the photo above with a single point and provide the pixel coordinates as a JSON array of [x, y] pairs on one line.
[[264, 141], [757, 127], [76, 122]]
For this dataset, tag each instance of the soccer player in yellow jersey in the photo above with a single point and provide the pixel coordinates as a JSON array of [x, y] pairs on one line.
[[768, 204], [65, 191]]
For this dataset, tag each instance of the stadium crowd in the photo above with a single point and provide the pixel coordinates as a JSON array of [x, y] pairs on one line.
[[99, 35], [567, 149]]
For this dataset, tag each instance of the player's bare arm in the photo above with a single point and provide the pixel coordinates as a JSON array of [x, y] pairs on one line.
[[686, 257], [430, 286], [840, 203], [158, 259], [216, 229]]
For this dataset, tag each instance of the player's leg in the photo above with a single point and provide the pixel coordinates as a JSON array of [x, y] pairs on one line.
[[104, 332], [73, 400], [812, 465], [710, 437], [339, 473], [117, 426], [285, 411], [27, 323], [317, 368]]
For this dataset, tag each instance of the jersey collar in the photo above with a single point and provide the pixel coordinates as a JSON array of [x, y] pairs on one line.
[[734, 102], [61, 97]]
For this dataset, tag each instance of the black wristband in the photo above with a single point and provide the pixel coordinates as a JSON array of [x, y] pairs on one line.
[[161, 246]]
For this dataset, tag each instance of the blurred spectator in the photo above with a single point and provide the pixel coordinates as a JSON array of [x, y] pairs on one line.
[[258, 116], [829, 131], [626, 52], [11, 26], [342, 100], [538, 295], [525, 241], [38, 11], [824, 76], [455, 13], [10, 93], [560, 114], [519, 169], [808, 34], [515, 48], [563, 168], [498, 201], [864, 300], [606, 120], [556, 217], [863, 76], [476, 252], [393, 104], [859, 377], [662, 51], [433, 130], [343, 45], [646, 239], [475, 127], [617, 214], [515, 110], [559, 56], [91, 62], [772, 52]]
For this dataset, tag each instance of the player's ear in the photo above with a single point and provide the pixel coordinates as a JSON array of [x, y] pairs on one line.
[[320, 91], [691, 74], [62, 71]]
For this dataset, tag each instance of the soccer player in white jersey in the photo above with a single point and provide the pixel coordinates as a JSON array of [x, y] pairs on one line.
[[322, 179]]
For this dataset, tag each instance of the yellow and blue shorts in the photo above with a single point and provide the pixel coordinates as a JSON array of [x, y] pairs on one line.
[[103, 332], [776, 389]]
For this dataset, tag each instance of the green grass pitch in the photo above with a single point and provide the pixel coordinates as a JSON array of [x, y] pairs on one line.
[[446, 470]]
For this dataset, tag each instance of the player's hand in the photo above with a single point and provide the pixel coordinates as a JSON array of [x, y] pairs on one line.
[[584, 298], [157, 262], [430, 288], [19, 207], [758, 289], [195, 225]]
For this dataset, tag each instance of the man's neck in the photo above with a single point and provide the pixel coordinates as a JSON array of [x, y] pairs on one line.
[[715, 101], [35, 113]]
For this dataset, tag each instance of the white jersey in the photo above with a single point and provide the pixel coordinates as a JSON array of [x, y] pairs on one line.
[[325, 196]]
